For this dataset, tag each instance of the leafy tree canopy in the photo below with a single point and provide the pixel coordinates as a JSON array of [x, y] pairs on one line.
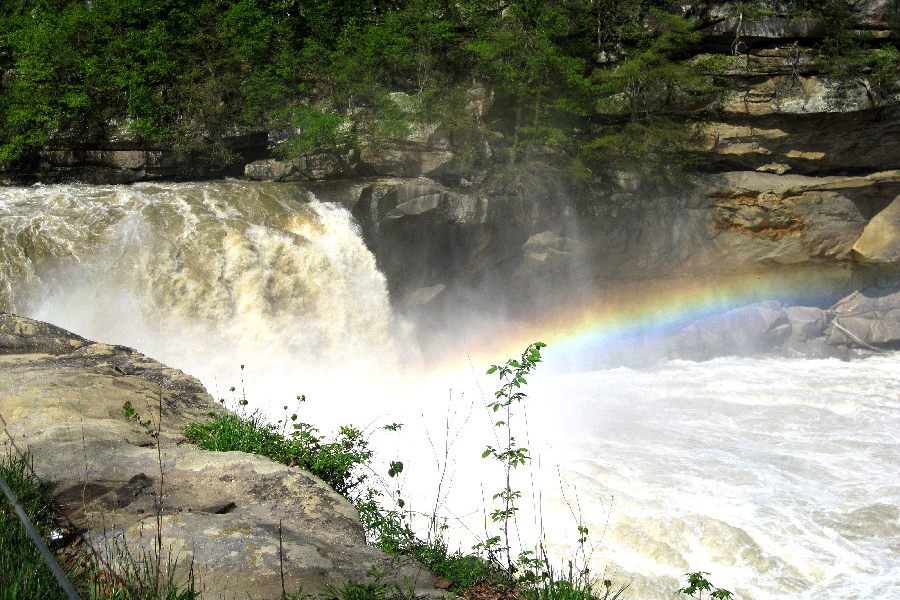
[[610, 80]]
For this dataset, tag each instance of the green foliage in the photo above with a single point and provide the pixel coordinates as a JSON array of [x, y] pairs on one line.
[[460, 570], [511, 456], [653, 100], [316, 131], [523, 51], [291, 442], [132, 415], [24, 573], [374, 589], [186, 75], [543, 582], [600, 85], [697, 584], [853, 57]]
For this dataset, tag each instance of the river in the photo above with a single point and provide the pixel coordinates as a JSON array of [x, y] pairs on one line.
[[776, 476]]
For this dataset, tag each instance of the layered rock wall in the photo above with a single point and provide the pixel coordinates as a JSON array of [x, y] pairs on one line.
[[799, 175]]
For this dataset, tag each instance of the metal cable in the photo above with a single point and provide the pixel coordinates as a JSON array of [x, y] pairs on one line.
[[33, 534]]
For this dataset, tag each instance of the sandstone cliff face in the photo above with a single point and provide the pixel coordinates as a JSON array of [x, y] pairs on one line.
[[62, 397], [799, 175]]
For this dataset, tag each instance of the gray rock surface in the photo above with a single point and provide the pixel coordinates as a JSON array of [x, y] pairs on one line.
[[304, 168], [807, 322], [748, 330], [868, 317], [867, 321], [62, 398]]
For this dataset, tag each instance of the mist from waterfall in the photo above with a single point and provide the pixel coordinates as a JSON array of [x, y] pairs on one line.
[[776, 476]]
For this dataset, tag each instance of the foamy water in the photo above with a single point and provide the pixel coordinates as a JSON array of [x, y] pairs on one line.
[[778, 477]]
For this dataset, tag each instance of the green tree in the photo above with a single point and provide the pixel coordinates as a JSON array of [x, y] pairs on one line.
[[520, 50], [652, 100]]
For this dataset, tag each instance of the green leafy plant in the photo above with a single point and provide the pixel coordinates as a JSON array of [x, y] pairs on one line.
[[374, 589], [25, 574], [132, 415], [291, 442], [510, 455], [697, 585]]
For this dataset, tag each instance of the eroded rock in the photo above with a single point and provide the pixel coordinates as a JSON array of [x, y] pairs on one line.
[[880, 240], [312, 167], [867, 318], [62, 398]]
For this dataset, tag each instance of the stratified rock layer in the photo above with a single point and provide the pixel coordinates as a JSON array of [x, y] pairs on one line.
[[239, 518]]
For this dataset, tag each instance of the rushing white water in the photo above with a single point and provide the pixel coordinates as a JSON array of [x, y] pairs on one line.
[[778, 477], [205, 276]]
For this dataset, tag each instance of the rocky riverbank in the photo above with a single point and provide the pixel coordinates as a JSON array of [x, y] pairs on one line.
[[867, 321], [240, 520]]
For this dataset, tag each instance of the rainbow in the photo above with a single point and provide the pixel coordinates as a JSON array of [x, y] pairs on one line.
[[579, 331]]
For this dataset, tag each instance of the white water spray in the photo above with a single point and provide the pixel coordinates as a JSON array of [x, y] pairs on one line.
[[777, 477]]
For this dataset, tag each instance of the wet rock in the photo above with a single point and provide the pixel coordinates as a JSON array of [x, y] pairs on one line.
[[424, 234], [548, 256], [868, 318], [818, 348], [423, 296], [304, 168], [406, 159], [238, 518], [807, 338], [749, 330], [807, 322]]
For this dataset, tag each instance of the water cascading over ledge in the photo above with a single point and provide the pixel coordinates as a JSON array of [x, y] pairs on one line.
[[198, 274], [773, 474]]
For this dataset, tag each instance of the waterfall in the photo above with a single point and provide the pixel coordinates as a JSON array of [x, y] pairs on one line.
[[201, 275], [776, 476]]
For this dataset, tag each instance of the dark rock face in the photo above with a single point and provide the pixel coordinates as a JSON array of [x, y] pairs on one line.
[[62, 398], [120, 161], [423, 234]]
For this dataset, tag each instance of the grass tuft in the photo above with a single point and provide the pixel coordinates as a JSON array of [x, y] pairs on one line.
[[23, 572], [25, 576]]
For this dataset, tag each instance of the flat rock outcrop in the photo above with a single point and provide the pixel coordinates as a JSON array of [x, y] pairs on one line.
[[239, 519]]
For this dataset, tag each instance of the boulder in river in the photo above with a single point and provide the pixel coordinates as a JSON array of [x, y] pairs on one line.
[[868, 318], [747, 330]]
